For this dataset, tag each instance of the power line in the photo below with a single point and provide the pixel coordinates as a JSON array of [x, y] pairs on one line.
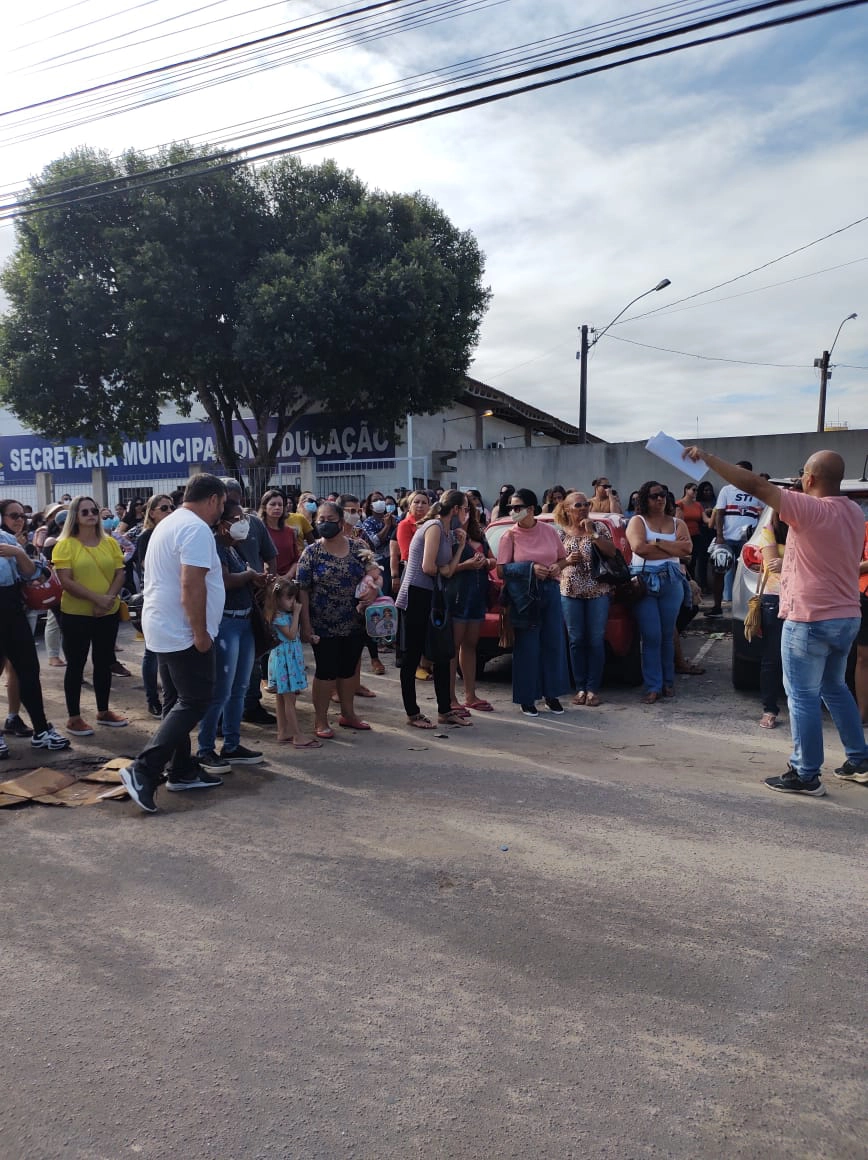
[[222, 160], [747, 274], [449, 9], [710, 357], [256, 43]]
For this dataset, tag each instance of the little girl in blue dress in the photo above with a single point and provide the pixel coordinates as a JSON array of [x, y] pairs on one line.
[[286, 661]]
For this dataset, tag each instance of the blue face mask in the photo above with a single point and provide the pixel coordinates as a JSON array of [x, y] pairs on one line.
[[390, 509], [310, 505], [111, 524]]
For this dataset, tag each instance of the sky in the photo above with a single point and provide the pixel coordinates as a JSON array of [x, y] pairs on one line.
[[696, 167]]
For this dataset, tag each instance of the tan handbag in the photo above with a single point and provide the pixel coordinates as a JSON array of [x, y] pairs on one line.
[[753, 621]]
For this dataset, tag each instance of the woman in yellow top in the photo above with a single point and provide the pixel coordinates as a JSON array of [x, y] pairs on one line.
[[773, 538], [90, 566]]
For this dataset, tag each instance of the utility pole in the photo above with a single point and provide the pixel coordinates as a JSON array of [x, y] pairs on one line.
[[825, 375], [582, 356]]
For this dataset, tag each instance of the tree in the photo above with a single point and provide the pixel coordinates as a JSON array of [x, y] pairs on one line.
[[261, 295]]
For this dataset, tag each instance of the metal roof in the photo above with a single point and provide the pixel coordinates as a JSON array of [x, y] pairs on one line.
[[516, 411]]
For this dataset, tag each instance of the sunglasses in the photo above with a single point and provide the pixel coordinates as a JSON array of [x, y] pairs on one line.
[[82, 511], [587, 503], [657, 495], [164, 507]]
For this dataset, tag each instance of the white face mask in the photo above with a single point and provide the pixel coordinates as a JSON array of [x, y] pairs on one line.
[[378, 506], [351, 518], [240, 530], [517, 514]]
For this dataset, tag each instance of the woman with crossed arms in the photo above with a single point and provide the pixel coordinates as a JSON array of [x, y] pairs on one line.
[[659, 543]]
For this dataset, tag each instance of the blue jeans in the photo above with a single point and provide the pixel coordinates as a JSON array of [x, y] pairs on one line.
[[586, 627], [656, 614], [233, 650], [814, 659], [539, 655], [735, 546]]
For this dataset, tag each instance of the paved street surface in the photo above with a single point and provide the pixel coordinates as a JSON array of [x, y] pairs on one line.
[[589, 936]]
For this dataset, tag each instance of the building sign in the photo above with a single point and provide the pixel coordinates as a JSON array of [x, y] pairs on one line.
[[176, 447]]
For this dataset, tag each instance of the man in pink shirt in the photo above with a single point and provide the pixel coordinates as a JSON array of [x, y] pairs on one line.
[[820, 607]]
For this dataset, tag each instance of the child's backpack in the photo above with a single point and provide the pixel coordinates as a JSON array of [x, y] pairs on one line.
[[381, 619]]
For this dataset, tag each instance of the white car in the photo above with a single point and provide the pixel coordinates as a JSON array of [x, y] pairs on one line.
[[746, 656]]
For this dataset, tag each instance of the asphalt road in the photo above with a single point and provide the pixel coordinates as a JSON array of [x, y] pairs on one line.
[[589, 936]]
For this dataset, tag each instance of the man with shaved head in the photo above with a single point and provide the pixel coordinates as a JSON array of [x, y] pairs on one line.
[[819, 604]]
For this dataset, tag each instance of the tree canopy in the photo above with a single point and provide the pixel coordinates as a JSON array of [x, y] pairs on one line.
[[263, 294]]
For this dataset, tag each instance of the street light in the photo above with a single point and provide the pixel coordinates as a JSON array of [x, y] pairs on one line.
[[582, 356], [826, 374]]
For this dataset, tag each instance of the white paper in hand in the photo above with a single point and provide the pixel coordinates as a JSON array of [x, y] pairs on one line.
[[672, 452]]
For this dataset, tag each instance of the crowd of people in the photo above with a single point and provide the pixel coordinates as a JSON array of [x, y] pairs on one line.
[[229, 596]]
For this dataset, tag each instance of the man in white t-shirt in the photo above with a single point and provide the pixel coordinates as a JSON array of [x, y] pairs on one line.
[[735, 516], [183, 603]]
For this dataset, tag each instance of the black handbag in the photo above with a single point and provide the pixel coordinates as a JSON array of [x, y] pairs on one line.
[[609, 569], [439, 638]]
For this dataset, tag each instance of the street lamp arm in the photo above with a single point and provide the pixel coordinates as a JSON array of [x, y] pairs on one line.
[[849, 318], [661, 285]]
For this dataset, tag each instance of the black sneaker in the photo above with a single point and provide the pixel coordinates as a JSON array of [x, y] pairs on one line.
[[716, 611], [790, 782], [141, 794], [211, 763], [530, 710], [155, 708], [240, 756], [49, 739], [4, 750], [259, 716], [15, 727], [554, 705], [201, 780], [853, 771]]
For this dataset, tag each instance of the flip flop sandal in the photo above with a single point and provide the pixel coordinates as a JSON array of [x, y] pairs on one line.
[[362, 691], [420, 721], [453, 719], [312, 744], [325, 734], [768, 721], [357, 724], [378, 668], [460, 710], [424, 675], [479, 706]]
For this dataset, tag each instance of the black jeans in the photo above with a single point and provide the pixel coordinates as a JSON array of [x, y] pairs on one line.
[[771, 670], [415, 630], [188, 685], [82, 635], [17, 647]]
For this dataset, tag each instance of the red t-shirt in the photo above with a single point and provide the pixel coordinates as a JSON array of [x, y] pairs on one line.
[[820, 573], [285, 540], [404, 533]]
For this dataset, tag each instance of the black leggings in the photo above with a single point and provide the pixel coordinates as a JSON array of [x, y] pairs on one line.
[[415, 630], [17, 647], [82, 635]]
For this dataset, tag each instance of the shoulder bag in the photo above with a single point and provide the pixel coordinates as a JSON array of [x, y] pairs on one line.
[[439, 638], [753, 622], [609, 569]]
